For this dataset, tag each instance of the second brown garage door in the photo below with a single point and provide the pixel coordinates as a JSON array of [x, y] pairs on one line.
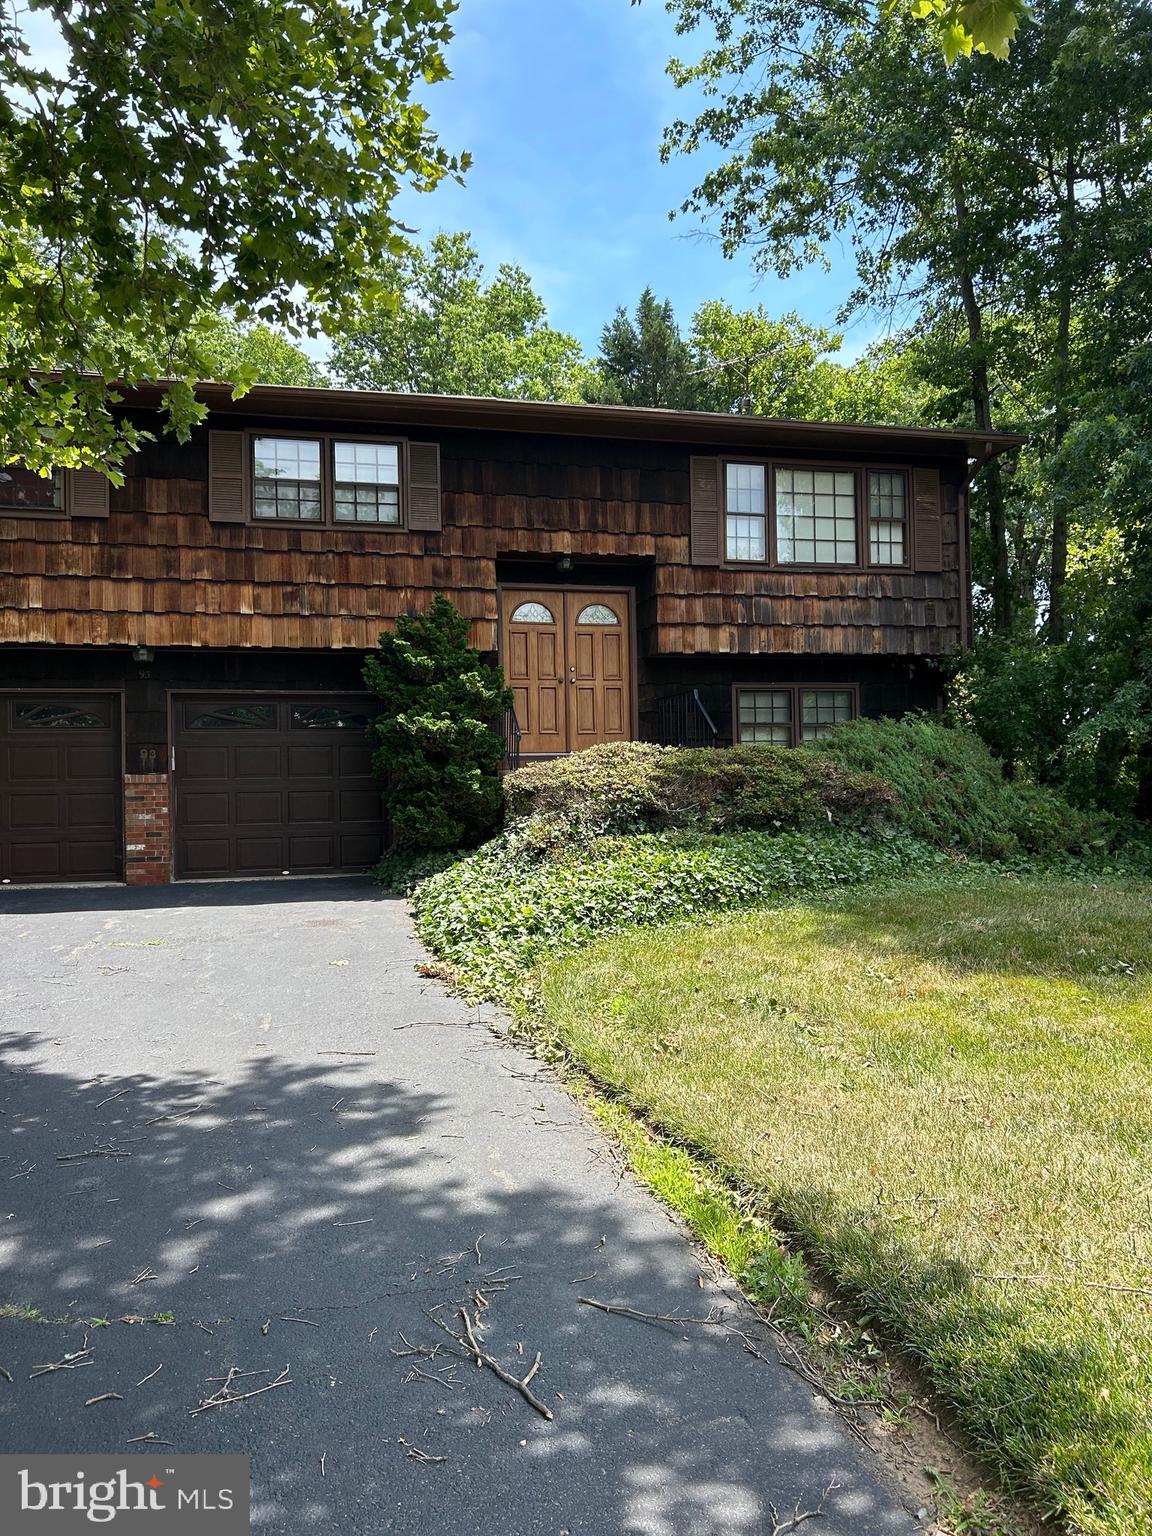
[[269, 786]]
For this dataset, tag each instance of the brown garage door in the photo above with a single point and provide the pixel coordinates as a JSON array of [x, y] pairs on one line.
[[274, 786], [59, 788]]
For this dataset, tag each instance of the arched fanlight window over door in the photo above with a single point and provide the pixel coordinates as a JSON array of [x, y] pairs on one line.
[[533, 613], [597, 613]]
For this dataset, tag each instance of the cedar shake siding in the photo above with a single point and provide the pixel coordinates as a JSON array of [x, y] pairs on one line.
[[158, 572], [218, 655]]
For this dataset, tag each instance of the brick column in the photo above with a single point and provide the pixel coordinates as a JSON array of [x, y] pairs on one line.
[[147, 836]]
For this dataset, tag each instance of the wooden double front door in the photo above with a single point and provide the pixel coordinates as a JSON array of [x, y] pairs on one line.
[[568, 660]]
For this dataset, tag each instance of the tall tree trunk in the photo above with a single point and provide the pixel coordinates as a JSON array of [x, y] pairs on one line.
[[1003, 606], [1061, 414]]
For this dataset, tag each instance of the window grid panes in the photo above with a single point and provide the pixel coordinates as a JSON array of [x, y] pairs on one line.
[[366, 483], [597, 613], [20, 487], [816, 517], [766, 716], [746, 521], [821, 709], [533, 613], [887, 516], [286, 483]]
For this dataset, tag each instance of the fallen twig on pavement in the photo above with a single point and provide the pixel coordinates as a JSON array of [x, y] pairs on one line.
[[226, 1395], [798, 1515], [70, 1362], [467, 1341]]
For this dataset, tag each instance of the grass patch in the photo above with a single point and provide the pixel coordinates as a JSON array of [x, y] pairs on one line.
[[945, 1096], [497, 913]]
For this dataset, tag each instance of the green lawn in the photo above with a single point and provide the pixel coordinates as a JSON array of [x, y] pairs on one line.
[[946, 1096]]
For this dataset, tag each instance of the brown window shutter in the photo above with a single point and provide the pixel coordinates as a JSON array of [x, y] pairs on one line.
[[424, 510], [927, 534], [86, 493], [705, 520], [227, 487]]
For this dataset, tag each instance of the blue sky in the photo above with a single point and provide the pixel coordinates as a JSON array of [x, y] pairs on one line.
[[562, 104]]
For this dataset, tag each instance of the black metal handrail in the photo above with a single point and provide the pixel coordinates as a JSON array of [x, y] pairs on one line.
[[684, 721], [511, 732]]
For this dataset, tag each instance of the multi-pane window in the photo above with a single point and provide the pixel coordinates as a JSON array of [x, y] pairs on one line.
[[765, 716], [821, 709], [20, 487], [887, 516], [286, 478], [366, 482], [746, 524], [781, 717], [816, 517]]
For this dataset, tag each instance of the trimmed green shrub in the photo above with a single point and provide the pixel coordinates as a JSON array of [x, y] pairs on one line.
[[437, 754], [638, 787], [951, 791]]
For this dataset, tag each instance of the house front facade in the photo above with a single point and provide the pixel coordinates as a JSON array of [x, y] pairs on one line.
[[180, 657]]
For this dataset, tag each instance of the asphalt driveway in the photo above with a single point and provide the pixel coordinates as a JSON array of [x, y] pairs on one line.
[[238, 1111]]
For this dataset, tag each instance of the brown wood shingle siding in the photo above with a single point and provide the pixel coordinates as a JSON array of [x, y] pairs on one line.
[[157, 572]]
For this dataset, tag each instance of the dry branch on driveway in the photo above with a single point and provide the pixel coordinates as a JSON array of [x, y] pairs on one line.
[[225, 1394], [70, 1362], [467, 1342], [713, 1321]]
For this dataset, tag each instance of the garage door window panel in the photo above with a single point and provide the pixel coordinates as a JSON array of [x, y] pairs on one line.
[[329, 717], [231, 717], [50, 715]]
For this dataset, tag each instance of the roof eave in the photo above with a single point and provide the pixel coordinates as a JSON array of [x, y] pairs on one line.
[[640, 423]]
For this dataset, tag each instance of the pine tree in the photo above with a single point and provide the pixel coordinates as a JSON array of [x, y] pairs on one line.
[[646, 361], [437, 753]]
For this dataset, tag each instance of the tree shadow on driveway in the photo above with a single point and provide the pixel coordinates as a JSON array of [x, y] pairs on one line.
[[311, 1214]]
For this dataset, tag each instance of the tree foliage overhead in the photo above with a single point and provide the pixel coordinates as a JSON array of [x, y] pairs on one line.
[[257, 352], [194, 157], [1000, 213], [455, 331]]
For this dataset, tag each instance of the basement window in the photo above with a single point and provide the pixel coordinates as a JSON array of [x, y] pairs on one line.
[[786, 716]]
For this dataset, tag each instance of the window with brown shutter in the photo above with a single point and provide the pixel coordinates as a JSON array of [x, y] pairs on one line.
[[704, 476], [63, 493], [424, 500], [322, 479], [86, 493], [227, 500], [927, 530]]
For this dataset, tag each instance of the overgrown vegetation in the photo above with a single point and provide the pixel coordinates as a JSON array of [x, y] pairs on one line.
[[944, 1097], [507, 907], [920, 776], [437, 751], [948, 789], [639, 787], [636, 834]]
